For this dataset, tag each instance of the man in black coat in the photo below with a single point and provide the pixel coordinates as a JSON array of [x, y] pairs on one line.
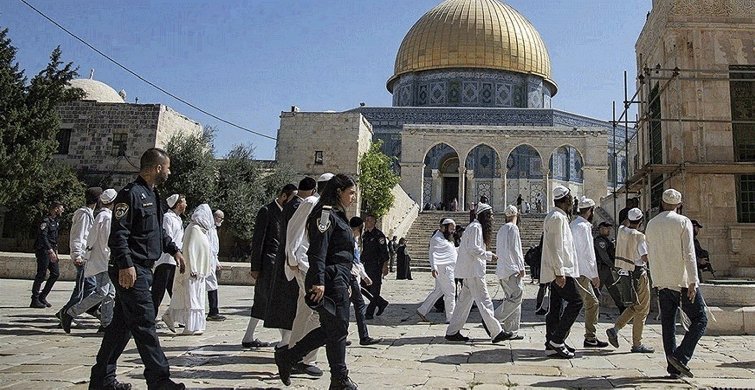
[[374, 257], [284, 293], [604, 255], [264, 248]]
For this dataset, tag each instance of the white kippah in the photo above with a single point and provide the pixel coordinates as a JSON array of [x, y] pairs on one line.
[[559, 192], [325, 177], [672, 196], [172, 200], [511, 211], [635, 214], [108, 196], [448, 221], [481, 207], [586, 202]]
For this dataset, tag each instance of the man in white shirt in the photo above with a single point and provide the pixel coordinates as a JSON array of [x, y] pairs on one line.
[[443, 256], [631, 257], [559, 268], [165, 267], [588, 282], [96, 268], [211, 281], [510, 272], [470, 267], [671, 254]]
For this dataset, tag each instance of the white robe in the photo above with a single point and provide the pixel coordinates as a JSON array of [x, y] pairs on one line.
[[188, 302]]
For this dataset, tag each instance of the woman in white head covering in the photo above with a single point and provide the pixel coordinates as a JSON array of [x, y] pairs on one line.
[[188, 301]]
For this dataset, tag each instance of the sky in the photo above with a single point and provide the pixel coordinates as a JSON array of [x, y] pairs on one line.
[[246, 61]]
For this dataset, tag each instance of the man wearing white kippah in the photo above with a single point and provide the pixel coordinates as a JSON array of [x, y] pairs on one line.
[[510, 272], [165, 267], [588, 281], [671, 254], [559, 268], [631, 257], [442, 262]]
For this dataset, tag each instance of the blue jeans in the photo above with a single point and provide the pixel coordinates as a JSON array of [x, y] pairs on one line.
[[670, 301], [84, 287]]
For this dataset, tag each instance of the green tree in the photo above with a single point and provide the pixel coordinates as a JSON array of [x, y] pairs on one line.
[[61, 184], [240, 194], [194, 168], [376, 180], [28, 120]]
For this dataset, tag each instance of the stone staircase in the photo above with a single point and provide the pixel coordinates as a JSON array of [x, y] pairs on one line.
[[418, 237]]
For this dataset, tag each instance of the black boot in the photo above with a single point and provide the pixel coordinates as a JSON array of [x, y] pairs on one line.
[[344, 383], [36, 304]]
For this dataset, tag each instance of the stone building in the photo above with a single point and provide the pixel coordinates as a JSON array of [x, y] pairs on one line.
[[471, 116], [103, 137], [696, 81]]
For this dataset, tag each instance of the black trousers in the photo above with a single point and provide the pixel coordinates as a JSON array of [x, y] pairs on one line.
[[558, 322], [333, 327], [606, 280], [133, 315], [376, 300], [359, 307], [43, 265], [162, 282], [212, 298]]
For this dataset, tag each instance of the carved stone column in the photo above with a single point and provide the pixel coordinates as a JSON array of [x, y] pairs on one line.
[[462, 184]]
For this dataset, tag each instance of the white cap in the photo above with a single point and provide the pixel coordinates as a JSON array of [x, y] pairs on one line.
[[559, 192], [586, 202], [108, 196], [172, 200], [448, 221], [511, 211], [483, 207], [635, 214], [672, 197], [325, 177]]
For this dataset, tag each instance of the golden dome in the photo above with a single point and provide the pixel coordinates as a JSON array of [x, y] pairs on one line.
[[483, 34]]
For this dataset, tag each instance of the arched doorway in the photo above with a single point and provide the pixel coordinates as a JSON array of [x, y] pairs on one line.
[[524, 176], [483, 168], [441, 177], [566, 169]]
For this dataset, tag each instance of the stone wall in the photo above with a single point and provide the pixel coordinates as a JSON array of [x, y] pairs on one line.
[[709, 36], [171, 122]]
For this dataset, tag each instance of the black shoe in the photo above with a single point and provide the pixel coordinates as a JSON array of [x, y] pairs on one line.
[[65, 321], [348, 343], [101, 329], [541, 312], [561, 350], [36, 304], [568, 347], [306, 369], [517, 337], [613, 337], [594, 344], [59, 314], [380, 310], [284, 367], [215, 317], [368, 316], [457, 337], [642, 349], [504, 335], [169, 385], [683, 369], [256, 343], [118, 386], [342, 384], [43, 300], [369, 341]]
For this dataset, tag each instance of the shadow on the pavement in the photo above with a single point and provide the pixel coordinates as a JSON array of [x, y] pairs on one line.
[[425, 340], [746, 365], [604, 383]]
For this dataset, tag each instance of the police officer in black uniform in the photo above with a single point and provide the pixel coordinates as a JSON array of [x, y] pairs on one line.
[[331, 257], [604, 254], [137, 240], [374, 256], [46, 251]]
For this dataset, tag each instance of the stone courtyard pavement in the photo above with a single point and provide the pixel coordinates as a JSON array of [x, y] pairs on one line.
[[35, 354]]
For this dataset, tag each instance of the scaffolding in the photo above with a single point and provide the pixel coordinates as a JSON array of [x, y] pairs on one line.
[[649, 175]]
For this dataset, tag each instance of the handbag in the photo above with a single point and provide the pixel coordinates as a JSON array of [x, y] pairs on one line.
[[625, 285]]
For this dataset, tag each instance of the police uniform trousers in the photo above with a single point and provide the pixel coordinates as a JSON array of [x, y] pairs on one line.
[[162, 282], [134, 315], [444, 287], [607, 280], [474, 290], [43, 265], [334, 327], [376, 274], [306, 320]]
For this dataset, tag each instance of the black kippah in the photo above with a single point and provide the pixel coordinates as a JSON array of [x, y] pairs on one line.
[[307, 184]]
